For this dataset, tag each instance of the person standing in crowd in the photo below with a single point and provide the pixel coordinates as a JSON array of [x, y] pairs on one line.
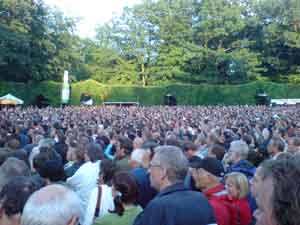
[[277, 195], [174, 204], [190, 149], [75, 158], [125, 193], [238, 189], [13, 198], [86, 177], [12, 168], [207, 174], [294, 145], [101, 200], [123, 147], [53, 204], [237, 159], [139, 171], [275, 147]]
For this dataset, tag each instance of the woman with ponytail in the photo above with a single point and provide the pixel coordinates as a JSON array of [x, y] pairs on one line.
[[125, 193]]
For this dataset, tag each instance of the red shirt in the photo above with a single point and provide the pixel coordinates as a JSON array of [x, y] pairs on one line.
[[240, 212], [217, 198]]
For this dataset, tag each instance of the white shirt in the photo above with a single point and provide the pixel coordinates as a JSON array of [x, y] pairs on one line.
[[84, 181], [106, 204]]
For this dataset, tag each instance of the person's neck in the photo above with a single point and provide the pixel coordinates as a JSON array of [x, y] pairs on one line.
[[165, 185]]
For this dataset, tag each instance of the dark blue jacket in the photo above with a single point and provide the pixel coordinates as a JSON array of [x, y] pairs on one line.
[[243, 166], [177, 205], [146, 192]]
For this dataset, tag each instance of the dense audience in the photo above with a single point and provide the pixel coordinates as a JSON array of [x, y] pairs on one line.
[[236, 165]]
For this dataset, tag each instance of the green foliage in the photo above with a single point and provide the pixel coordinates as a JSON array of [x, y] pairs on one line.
[[155, 42], [152, 95]]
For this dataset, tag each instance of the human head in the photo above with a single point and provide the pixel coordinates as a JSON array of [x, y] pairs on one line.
[[190, 149], [294, 145], [238, 151], [237, 185], [125, 191], [13, 198], [276, 145], [216, 151], [107, 170], [124, 147], [93, 152], [137, 158], [75, 153], [12, 167], [53, 204], [206, 172], [168, 166], [137, 142], [52, 171], [278, 198]]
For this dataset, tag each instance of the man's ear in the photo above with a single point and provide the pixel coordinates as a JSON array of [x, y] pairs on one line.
[[73, 221]]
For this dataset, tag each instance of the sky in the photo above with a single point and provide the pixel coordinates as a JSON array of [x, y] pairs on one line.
[[91, 12]]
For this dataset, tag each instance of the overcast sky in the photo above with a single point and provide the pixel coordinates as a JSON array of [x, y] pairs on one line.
[[91, 12]]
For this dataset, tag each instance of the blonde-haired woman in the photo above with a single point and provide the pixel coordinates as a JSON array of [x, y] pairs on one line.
[[237, 187]]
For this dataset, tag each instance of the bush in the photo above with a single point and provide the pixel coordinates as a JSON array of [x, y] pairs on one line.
[[202, 94]]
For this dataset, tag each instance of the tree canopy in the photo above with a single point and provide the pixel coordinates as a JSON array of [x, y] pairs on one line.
[[156, 41]]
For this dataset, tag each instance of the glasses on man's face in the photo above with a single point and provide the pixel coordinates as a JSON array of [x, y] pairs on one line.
[[153, 165]]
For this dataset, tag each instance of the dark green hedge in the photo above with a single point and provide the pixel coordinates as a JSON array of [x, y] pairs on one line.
[[186, 94]]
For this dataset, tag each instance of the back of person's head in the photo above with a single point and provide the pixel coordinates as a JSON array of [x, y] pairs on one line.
[[188, 145], [94, 152], [11, 168], [137, 157], [172, 140], [45, 153], [60, 135], [108, 168], [173, 160], [14, 196], [217, 151], [13, 144], [53, 204], [255, 157], [126, 189], [213, 138], [277, 143], [52, 170], [247, 138]]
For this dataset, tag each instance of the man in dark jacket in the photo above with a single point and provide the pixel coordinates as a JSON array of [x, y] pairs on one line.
[[237, 157], [174, 204]]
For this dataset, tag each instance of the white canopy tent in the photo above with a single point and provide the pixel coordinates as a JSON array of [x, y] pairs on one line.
[[9, 99]]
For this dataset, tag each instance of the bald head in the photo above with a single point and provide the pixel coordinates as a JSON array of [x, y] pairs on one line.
[[53, 204]]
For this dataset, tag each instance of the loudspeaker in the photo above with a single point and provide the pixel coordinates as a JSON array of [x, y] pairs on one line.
[[170, 100], [41, 101], [262, 98]]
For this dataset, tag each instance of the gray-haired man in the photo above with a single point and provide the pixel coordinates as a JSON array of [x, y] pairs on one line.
[[174, 204], [53, 204]]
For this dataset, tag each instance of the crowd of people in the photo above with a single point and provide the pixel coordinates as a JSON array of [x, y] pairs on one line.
[[237, 165]]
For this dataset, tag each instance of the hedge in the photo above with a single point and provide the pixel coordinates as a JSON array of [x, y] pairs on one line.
[[203, 94]]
